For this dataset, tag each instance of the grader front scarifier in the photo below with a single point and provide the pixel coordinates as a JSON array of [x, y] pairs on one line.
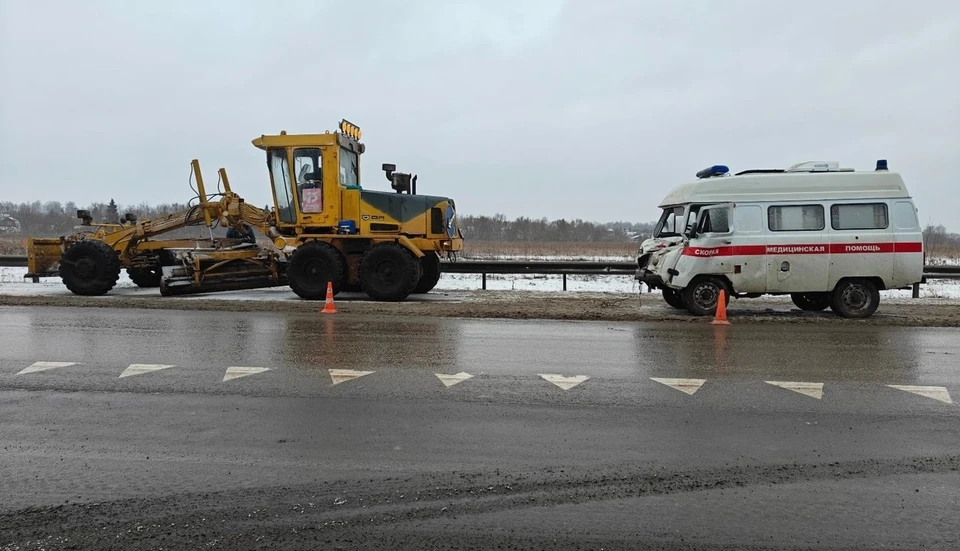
[[323, 228]]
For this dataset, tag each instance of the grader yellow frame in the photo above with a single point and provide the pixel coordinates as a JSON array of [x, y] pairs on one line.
[[324, 228]]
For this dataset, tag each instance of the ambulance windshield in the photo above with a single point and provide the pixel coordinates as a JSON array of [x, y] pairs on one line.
[[671, 222]]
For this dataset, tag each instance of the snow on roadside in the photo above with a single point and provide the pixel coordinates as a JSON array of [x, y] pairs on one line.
[[549, 258]]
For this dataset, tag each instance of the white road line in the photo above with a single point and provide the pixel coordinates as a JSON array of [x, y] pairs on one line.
[[343, 375], [938, 393], [44, 366], [813, 390], [450, 380], [566, 383], [235, 372], [140, 369], [683, 385]]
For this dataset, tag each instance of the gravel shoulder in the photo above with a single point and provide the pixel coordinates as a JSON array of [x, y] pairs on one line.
[[924, 312]]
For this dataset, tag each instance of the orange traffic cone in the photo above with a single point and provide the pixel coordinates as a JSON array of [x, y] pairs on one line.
[[328, 307], [720, 318]]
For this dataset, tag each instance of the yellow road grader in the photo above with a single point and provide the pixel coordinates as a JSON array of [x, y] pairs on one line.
[[324, 227]]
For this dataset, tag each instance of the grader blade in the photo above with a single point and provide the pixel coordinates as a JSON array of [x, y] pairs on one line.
[[43, 257]]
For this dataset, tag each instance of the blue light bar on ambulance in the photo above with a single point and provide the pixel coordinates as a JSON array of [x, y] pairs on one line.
[[715, 170]]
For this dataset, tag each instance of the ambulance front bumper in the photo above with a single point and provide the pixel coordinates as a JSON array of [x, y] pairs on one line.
[[651, 279]]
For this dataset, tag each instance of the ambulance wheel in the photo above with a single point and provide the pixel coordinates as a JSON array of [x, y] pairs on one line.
[[430, 266], [703, 294], [389, 272], [811, 302], [673, 298], [312, 265], [855, 298], [89, 267]]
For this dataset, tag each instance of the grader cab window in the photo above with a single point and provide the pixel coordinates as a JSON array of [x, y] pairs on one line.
[[280, 173], [307, 165], [349, 168]]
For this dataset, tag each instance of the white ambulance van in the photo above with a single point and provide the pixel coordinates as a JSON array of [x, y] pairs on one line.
[[825, 235]]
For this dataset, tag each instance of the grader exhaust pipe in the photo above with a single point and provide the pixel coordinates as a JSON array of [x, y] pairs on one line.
[[399, 181]]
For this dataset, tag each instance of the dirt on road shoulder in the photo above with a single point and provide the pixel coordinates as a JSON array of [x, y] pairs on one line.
[[534, 305]]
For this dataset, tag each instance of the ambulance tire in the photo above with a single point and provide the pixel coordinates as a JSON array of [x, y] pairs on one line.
[[811, 302], [855, 298], [673, 298], [703, 294]]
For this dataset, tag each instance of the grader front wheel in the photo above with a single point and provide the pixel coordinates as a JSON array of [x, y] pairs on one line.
[[89, 267], [312, 266]]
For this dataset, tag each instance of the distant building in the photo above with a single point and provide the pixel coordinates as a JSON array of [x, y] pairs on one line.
[[9, 225]]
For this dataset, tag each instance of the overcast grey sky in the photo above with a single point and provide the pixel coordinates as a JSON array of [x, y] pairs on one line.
[[587, 109]]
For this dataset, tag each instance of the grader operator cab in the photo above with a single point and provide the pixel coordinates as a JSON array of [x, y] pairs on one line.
[[387, 244], [323, 227]]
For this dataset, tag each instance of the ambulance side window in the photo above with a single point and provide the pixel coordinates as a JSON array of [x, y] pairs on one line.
[[862, 216], [795, 218], [715, 220]]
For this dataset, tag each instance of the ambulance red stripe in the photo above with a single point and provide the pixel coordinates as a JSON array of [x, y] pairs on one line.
[[804, 248]]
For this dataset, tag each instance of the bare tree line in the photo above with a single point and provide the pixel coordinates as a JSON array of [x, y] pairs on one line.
[[543, 230], [52, 218]]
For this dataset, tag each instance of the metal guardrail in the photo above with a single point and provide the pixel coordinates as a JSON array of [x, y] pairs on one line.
[[607, 268], [542, 267], [13, 261], [562, 268]]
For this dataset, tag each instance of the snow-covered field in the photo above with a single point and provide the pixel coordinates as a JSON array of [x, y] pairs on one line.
[[12, 283], [550, 258]]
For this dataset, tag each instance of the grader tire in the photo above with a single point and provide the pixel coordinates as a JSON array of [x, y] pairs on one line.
[[89, 268], [145, 277], [430, 266], [312, 265], [351, 288], [389, 272]]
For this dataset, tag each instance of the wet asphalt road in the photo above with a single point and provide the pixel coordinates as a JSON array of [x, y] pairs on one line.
[[135, 440]]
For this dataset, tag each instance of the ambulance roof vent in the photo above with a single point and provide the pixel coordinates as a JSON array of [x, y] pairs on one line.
[[713, 171], [815, 166]]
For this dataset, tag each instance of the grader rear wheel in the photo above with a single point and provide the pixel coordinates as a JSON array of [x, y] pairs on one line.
[[389, 272], [430, 266], [89, 267]]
